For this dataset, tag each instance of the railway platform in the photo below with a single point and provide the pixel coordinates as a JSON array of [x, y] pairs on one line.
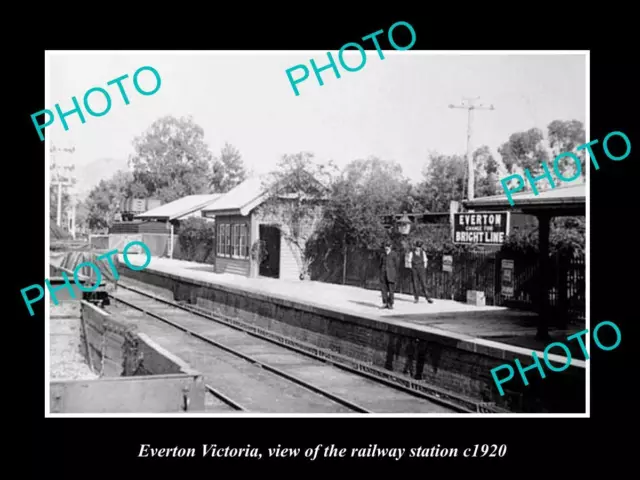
[[446, 346], [499, 324]]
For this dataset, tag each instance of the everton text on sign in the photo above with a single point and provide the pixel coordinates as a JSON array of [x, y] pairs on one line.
[[481, 228], [363, 55], [106, 102]]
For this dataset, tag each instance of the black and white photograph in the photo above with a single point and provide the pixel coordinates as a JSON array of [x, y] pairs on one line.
[[244, 233]]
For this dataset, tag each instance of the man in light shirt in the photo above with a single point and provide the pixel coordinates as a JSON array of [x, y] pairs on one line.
[[418, 264]]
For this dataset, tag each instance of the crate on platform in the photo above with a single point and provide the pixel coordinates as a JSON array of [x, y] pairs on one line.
[[475, 297]]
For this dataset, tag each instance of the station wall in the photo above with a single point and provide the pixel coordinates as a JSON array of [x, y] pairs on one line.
[[444, 361]]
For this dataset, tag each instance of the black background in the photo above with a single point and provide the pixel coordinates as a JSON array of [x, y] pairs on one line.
[[87, 448]]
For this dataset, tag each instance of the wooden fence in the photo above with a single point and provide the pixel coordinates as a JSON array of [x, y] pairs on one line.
[[471, 271]]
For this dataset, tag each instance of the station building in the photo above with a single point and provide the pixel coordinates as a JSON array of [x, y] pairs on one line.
[[564, 201], [171, 214], [157, 227], [243, 229]]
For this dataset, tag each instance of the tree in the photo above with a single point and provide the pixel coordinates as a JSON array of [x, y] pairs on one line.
[[361, 196], [105, 198], [171, 160], [365, 192], [228, 170], [566, 238], [487, 171], [565, 136], [526, 151], [81, 216], [444, 181], [295, 193], [436, 239]]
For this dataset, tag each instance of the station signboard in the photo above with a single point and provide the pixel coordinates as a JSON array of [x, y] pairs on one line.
[[447, 263], [507, 268], [480, 228]]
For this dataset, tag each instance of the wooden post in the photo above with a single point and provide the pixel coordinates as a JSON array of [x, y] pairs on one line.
[[86, 338], [254, 236], [563, 264], [344, 260], [543, 290], [172, 240], [497, 279], [454, 207]]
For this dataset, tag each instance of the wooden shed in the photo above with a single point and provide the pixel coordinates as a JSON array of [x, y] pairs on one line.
[[242, 231]]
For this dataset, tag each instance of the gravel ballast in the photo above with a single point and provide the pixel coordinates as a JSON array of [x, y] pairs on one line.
[[67, 362]]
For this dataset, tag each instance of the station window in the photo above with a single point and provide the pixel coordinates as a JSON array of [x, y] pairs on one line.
[[227, 240], [235, 242], [232, 240], [244, 243], [219, 241]]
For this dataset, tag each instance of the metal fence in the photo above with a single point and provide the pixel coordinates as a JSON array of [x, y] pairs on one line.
[[470, 271]]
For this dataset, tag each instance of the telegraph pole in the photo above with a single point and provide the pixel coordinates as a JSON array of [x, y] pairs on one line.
[[73, 217], [470, 105], [61, 181]]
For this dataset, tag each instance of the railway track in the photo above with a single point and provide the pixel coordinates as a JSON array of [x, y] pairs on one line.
[[297, 363], [217, 394]]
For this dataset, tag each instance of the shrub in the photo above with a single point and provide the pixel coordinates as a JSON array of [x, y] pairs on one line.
[[566, 237], [196, 240], [436, 239]]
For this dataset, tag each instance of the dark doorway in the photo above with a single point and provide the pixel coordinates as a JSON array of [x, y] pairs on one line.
[[270, 240]]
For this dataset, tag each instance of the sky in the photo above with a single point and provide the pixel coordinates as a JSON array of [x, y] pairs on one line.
[[396, 108]]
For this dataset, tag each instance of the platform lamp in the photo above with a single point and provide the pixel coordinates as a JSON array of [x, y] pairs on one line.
[[404, 224]]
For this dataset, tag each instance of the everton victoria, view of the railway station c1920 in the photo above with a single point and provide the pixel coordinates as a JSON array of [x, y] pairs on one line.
[[349, 276]]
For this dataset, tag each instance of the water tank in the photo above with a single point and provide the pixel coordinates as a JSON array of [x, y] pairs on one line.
[[153, 203], [139, 205]]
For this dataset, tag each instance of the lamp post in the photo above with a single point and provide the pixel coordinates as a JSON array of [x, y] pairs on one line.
[[404, 224], [404, 227]]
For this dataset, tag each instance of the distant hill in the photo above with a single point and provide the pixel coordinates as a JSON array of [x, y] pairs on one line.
[[90, 174]]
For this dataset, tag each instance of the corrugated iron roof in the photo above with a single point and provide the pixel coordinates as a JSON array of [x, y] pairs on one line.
[[244, 197], [567, 195], [239, 198], [182, 206]]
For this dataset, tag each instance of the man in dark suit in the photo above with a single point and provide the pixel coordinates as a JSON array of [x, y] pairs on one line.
[[418, 263], [388, 269]]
